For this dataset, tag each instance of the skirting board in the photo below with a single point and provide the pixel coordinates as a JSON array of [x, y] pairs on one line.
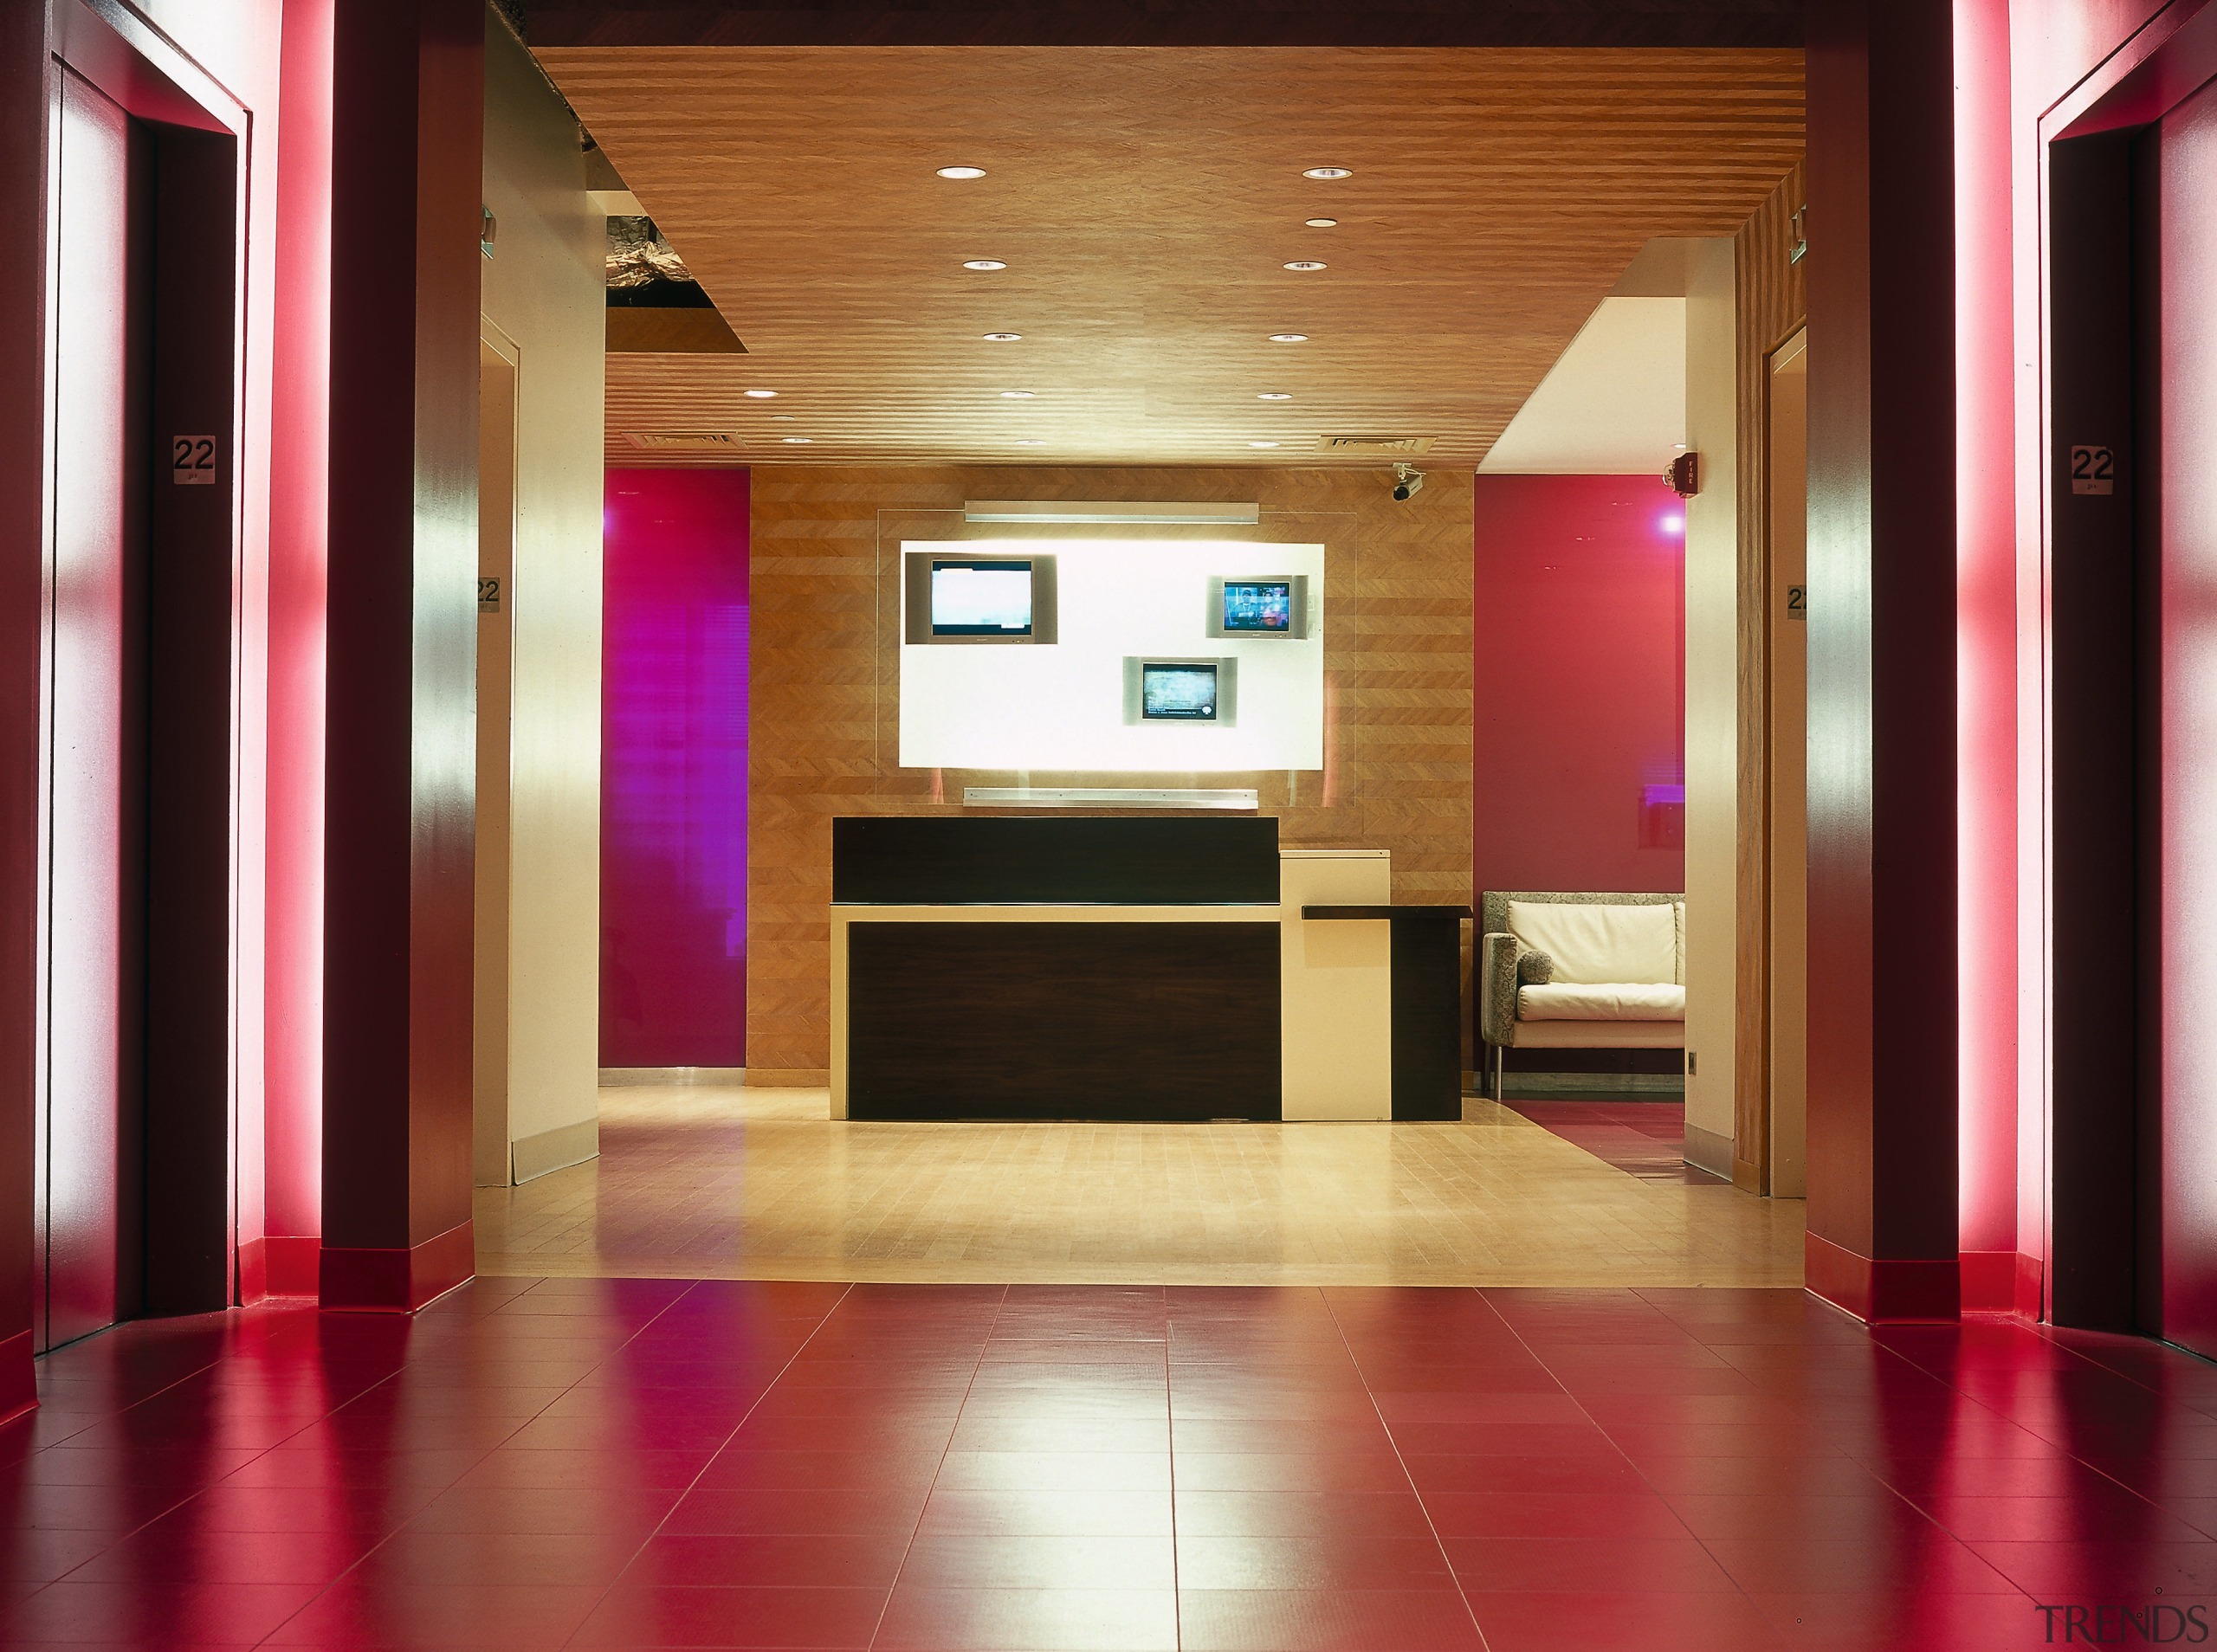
[[552, 1150], [616, 1077], [1706, 1150]]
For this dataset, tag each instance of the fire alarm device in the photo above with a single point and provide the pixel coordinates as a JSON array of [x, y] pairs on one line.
[[1683, 475]]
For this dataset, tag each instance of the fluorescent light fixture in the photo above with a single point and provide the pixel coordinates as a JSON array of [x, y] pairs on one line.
[[1107, 798], [1314, 171], [1000, 338], [962, 172], [1056, 512], [1304, 263], [761, 395], [983, 263], [1289, 338], [1322, 223]]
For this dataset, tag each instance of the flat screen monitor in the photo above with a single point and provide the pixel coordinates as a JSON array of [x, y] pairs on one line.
[[981, 598], [1168, 692], [1263, 605], [1257, 605], [1178, 694], [978, 599]]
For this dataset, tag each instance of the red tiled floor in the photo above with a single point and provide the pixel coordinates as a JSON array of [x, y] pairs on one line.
[[644, 1464], [1643, 1139]]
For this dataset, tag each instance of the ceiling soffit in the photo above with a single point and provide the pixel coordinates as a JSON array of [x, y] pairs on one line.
[[1145, 201]]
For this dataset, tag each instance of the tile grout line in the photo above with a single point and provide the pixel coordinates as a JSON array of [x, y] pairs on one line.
[[214, 1364], [908, 1548], [1738, 1588], [1878, 1479], [1401, 1461], [352, 1566], [694, 1483]]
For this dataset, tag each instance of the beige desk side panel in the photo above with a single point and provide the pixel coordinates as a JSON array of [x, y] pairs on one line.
[[1338, 987], [841, 916]]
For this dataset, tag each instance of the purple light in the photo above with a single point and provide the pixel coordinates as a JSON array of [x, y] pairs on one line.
[[674, 771]]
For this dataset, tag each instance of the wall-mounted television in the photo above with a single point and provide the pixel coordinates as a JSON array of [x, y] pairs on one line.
[[1258, 605], [982, 598], [1168, 692]]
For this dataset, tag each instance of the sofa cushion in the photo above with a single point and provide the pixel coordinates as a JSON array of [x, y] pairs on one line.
[[1594, 943], [1535, 969], [1609, 1001]]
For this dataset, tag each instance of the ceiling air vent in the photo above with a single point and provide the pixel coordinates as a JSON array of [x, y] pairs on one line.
[[701, 440], [1374, 444]]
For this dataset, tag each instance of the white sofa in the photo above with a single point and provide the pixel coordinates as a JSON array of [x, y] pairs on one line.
[[1580, 971]]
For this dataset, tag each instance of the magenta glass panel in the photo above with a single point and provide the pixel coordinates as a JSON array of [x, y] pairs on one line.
[[673, 822]]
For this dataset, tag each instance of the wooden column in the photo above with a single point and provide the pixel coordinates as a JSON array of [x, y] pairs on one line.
[[1882, 921], [408, 114]]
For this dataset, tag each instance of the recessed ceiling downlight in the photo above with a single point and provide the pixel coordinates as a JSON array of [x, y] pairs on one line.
[[1274, 396], [1032, 441], [1017, 396], [983, 263], [783, 418], [1322, 223], [799, 441], [1316, 172], [1000, 338], [1263, 444], [1289, 338], [1304, 263], [761, 395], [962, 172]]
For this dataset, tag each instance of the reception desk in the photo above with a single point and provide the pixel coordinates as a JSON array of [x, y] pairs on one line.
[[1127, 968]]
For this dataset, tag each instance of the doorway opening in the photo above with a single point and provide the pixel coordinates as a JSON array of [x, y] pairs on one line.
[[134, 1145]]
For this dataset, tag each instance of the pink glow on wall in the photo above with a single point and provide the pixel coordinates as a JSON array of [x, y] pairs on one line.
[[292, 1148], [673, 844], [1579, 724], [1988, 914]]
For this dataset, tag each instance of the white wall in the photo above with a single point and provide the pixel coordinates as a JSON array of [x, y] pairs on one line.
[[1060, 707], [1712, 706], [545, 290]]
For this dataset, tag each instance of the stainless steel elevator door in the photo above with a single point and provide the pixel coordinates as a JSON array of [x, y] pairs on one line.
[[87, 1097]]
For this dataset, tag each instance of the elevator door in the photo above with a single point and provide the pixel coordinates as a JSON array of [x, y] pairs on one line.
[[90, 1099]]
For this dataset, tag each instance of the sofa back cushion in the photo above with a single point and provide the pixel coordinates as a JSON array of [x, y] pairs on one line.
[[1592, 942]]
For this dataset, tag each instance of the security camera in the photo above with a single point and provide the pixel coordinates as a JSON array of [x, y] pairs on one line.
[[1408, 481]]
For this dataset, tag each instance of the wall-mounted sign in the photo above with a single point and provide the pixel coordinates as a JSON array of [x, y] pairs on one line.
[[488, 594], [1797, 602], [2093, 470], [192, 461]]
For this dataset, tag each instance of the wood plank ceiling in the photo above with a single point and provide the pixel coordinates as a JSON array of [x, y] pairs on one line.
[[1145, 201]]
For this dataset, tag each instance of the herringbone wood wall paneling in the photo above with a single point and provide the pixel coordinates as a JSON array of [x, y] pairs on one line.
[[825, 692]]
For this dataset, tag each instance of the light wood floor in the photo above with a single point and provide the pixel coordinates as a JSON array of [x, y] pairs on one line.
[[728, 1183]]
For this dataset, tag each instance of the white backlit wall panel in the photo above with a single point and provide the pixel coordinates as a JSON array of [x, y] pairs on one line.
[[1059, 707]]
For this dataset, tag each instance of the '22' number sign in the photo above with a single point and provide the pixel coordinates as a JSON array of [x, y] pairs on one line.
[[192, 461], [2093, 470]]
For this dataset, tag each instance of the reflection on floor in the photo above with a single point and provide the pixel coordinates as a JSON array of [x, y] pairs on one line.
[[1642, 1138], [632, 1464], [730, 1183]]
